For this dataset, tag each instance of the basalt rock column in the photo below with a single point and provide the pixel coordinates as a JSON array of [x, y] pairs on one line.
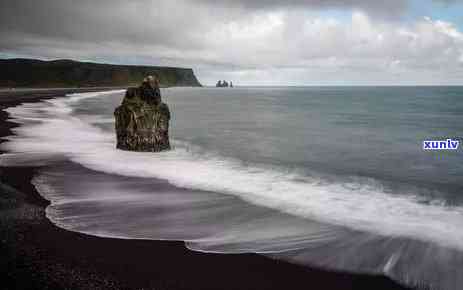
[[142, 120]]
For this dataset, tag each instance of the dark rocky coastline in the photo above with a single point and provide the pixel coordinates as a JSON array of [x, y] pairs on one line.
[[35, 254], [64, 73]]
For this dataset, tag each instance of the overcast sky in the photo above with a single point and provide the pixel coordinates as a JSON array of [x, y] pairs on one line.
[[263, 42]]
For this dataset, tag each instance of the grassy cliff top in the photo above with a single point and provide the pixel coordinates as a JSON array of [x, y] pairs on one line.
[[20, 72]]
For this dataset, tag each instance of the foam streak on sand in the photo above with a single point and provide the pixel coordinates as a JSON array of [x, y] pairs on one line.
[[357, 221]]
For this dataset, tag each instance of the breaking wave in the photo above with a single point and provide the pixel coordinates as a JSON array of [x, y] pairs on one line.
[[353, 224]]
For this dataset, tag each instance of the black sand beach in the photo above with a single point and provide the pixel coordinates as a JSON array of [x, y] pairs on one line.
[[35, 254]]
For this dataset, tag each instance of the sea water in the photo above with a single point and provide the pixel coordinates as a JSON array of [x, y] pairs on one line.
[[334, 177]]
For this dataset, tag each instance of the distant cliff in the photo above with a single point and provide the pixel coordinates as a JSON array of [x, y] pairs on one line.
[[69, 73]]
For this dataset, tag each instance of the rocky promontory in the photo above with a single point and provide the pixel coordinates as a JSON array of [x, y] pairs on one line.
[[32, 73], [142, 120]]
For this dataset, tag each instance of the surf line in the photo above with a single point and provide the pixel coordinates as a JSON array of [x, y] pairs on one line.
[[448, 144]]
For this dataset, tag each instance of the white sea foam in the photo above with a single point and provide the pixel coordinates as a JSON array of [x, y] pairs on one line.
[[365, 207]]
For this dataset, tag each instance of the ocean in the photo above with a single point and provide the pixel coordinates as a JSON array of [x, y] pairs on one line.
[[333, 177]]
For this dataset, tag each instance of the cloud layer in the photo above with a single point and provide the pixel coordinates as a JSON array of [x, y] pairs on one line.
[[265, 42]]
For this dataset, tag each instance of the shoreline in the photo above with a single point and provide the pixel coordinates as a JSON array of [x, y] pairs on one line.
[[36, 254]]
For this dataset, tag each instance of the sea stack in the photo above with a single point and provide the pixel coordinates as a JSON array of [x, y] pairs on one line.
[[142, 120]]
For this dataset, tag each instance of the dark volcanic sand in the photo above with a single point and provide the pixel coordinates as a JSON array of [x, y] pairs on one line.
[[35, 254]]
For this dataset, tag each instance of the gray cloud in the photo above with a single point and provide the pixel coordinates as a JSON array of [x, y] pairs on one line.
[[144, 21], [93, 21], [245, 40], [390, 7]]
